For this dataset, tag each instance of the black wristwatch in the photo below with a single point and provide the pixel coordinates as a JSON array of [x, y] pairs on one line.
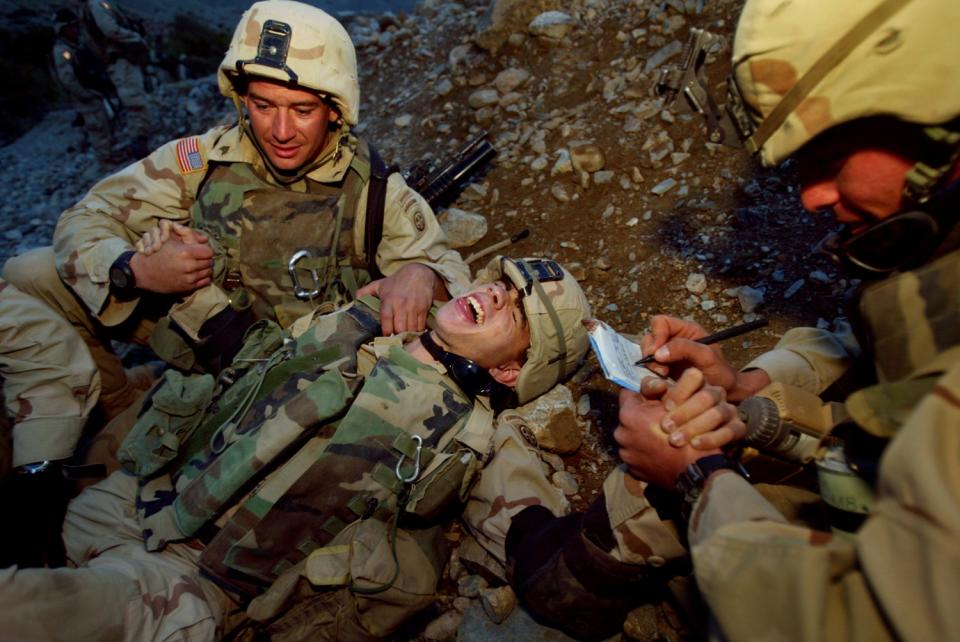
[[123, 284], [690, 482]]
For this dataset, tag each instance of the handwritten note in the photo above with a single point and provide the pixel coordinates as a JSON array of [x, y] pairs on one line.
[[617, 355]]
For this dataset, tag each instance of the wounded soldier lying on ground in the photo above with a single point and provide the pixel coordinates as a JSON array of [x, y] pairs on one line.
[[303, 492]]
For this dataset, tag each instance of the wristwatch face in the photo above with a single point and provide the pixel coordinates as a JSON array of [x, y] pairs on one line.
[[119, 277], [122, 281]]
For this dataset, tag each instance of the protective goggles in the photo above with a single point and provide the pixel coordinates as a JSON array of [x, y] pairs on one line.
[[894, 243]]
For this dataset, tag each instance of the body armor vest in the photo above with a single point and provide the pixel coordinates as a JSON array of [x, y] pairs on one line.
[[912, 325], [256, 227], [343, 450]]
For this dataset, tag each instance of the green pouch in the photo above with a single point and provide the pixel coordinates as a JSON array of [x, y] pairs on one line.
[[171, 346], [172, 414], [448, 482]]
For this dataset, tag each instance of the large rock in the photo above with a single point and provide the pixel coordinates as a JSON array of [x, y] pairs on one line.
[[483, 98], [509, 79], [551, 26], [551, 420], [505, 17], [463, 228], [587, 158]]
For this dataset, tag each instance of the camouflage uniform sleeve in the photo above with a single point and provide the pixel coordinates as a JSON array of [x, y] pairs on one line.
[[578, 572], [897, 579], [66, 74], [411, 234], [115, 213], [810, 358], [104, 14]]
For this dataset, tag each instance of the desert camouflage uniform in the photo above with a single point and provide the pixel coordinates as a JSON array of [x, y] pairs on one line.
[[899, 575], [49, 387], [252, 244], [337, 563], [124, 51], [810, 358]]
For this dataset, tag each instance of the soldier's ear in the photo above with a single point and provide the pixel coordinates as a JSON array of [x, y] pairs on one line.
[[506, 373]]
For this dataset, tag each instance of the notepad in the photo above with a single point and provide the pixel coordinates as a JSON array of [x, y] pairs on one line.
[[617, 355]]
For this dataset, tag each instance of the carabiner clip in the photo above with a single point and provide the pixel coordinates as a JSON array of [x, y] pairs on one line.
[[416, 463], [302, 293]]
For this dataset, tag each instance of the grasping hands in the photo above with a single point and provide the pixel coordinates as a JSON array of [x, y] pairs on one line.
[[171, 258]]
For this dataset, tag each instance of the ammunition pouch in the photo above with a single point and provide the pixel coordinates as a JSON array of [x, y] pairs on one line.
[[167, 420]]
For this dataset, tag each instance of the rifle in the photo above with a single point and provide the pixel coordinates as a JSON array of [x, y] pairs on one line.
[[433, 183], [436, 183]]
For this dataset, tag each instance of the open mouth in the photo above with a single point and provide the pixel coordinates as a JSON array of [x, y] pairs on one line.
[[477, 310]]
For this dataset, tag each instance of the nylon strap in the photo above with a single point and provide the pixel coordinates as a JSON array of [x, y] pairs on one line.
[[826, 63], [552, 313], [376, 201]]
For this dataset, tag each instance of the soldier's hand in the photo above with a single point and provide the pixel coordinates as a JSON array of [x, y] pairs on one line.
[[673, 344], [154, 238], [697, 413], [405, 298], [643, 444], [182, 263]]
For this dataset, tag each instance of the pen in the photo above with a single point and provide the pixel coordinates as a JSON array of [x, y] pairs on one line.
[[729, 333]]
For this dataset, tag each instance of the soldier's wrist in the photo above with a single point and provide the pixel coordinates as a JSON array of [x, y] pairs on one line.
[[124, 279], [747, 383]]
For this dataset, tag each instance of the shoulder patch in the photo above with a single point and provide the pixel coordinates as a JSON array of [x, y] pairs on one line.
[[189, 157]]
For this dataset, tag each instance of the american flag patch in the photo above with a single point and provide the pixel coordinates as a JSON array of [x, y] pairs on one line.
[[188, 155]]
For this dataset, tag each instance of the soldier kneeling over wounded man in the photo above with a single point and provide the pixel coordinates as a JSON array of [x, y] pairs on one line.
[[303, 493]]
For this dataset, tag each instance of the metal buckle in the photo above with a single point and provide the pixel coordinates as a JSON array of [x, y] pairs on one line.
[[416, 463], [302, 293]]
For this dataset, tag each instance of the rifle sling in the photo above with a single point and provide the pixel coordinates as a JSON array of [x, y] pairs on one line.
[[376, 199]]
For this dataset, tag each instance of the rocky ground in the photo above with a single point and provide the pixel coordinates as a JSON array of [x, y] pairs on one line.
[[627, 193]]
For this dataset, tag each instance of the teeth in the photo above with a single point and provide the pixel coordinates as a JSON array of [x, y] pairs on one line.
[[477, 310]]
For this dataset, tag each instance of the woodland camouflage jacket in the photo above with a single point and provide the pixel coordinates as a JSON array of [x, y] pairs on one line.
[[305, 479]]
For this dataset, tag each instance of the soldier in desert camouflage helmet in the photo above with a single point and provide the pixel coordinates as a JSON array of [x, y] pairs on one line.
[[267, 216], [319, 486], [865, 96], [82, 74], [118, 39]]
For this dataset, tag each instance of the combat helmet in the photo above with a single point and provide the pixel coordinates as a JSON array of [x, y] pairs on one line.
[[555, 307], [296, 43], [804, 66]]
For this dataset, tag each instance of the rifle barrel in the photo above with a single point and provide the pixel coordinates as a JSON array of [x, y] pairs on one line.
[[477, 152]]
